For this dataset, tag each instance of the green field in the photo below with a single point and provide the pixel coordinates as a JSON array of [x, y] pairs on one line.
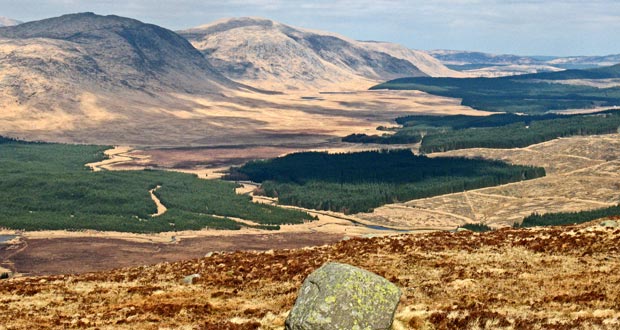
[[520, 94], [47, 187], [359, 182]]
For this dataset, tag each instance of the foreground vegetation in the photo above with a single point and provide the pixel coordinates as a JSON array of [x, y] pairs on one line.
[[552, 278], [443, 133], [569, 218], [531, 93], [359, 182], [47, 187]]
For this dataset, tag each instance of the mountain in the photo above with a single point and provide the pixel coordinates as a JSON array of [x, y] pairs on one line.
[[107, 52], [80, 72], [272, 55], [5, 21], [425, 62]]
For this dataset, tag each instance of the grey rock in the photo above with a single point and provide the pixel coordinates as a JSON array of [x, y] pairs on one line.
[[339, 296], [610, 223], [190, 279]]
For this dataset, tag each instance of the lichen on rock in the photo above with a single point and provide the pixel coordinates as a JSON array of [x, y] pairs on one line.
[[339, 296]]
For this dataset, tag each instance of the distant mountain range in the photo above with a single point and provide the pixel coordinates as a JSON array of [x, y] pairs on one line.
[[478, 62], [90, 78], [5, 21], [272, 55], [107, 79]]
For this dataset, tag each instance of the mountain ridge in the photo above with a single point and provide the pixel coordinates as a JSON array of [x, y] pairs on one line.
[[135, 48], [456, 58], [269, 54], [86, 77]]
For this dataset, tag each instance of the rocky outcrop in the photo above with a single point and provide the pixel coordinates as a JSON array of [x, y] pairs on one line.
[[340, 296]]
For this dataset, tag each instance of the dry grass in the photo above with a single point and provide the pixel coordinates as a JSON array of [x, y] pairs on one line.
[[306, 118], [582, 173], [553, 278]]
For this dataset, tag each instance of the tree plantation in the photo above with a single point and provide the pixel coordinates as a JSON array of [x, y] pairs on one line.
[[519, 135], [47, 187], [568, 218], [359, 182], [444, 133]]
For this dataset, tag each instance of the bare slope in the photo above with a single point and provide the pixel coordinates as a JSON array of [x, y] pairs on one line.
[[272, 55], [111, 80], [80, 72], [105, 52]]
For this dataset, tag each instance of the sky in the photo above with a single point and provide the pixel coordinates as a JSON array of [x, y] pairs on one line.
[[528, 27]]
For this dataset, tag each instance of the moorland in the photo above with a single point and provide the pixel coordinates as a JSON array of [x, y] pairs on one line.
[[144, 155]]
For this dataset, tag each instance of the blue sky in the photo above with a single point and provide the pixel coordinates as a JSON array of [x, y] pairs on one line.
[[529, 27]]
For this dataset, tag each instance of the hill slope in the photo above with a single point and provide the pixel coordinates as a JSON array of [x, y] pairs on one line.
[[560, 278], [107, 52], [80, 72], [272, 55]]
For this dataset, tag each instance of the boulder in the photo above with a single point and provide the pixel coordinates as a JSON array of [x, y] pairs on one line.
[[610, 223], [190, 278], [339, 296]]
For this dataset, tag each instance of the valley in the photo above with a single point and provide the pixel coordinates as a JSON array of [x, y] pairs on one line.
[[581, 175], [240, 119], [246, 152]]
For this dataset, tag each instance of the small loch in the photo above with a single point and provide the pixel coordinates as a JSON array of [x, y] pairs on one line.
[[6, 238]]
